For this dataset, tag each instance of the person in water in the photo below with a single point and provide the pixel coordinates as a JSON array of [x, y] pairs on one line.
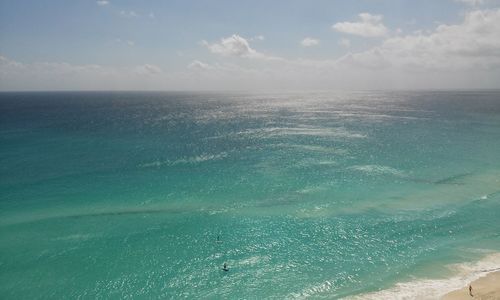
[[225, 268]]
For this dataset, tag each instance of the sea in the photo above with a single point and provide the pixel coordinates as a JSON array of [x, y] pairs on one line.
[[303, 195]]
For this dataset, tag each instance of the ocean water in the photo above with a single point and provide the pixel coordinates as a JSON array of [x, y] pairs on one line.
[[364, 195]]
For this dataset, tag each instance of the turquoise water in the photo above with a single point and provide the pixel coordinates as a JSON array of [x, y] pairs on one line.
[[322, 195]]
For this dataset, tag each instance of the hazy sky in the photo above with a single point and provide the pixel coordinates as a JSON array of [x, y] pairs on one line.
[[249, 45]]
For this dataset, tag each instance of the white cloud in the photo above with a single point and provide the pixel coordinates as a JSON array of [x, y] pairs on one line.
[[368, 26], [472, 2], [237, 46], [124, 42], [372, 59], [64, 76], [129, 14], [309, 42], [198, 65], [472, 44], [102, 2], [234, 45], [345, 43], [257, 38], [148, 69]]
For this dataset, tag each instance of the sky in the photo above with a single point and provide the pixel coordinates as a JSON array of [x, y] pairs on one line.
[[249, 45]]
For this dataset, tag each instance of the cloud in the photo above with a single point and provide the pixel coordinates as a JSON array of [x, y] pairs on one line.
[[125, 42], [129, 14], [257, 38], [372, 59], [309, 42], [102, 2], [472, 2], [198, 65], [472, 44], [237, 46], [64, 76], [148, 69], [345, 43], [368, 26], [234, 45]]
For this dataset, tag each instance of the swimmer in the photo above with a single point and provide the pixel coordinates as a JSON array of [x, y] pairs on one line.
[[225, 268]]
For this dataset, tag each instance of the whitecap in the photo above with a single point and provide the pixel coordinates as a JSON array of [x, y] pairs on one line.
[[185, 160], [74, 237], [377, 170], [306, 130], [253, 260], [313, 290], [312, 189]]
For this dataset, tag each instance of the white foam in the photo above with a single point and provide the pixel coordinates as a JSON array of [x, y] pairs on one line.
[[312, 290], [377, 170], [74, 237], [310, 162], [337, 132], [185, 160], [253, 260], [312, 189], [315, 148], [424, 288]]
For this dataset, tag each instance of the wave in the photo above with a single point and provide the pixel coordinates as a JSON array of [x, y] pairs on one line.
[[185, 160], [272, 132], [75, 237], [253, 260], [424, 288], [378, 117], [309, 162], [377, 170], [312, 290], [337, 132], [312, 189], [312, 148]]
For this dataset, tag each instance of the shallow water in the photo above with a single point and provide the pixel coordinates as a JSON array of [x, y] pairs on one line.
[[323, 195]]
